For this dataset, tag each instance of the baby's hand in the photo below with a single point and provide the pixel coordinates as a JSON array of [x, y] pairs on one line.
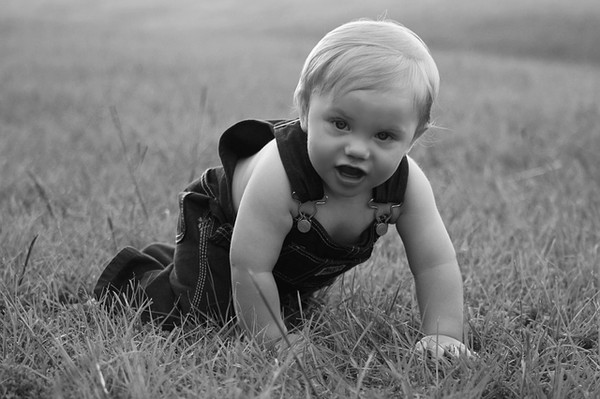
[[441, 347]]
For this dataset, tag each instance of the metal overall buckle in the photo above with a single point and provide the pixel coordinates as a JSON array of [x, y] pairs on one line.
[[383, 215], [306, 211]]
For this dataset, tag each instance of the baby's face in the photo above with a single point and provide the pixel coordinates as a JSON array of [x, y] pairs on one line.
[[357, 139]]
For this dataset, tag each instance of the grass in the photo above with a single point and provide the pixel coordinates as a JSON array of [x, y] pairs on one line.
[[514, 167]]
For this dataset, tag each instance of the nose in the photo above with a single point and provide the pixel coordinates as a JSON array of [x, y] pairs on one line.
[[357, 148]]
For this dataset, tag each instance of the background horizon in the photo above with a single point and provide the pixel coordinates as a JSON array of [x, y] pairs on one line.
[[513, 164]]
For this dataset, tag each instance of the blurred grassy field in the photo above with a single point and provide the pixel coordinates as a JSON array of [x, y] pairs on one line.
[[514, 166]]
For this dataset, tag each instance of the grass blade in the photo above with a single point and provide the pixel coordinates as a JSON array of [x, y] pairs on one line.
[[283, 334], [42, 192], [27, 257], [117, 122]]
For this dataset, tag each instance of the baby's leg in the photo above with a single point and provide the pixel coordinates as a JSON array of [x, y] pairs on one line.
[[162, 252]]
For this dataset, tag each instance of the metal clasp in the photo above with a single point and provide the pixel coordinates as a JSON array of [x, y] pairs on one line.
[[306, 211], [383, 215]]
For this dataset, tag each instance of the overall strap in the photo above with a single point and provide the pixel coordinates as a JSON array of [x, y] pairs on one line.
[[248, 137], [388, 198], [243, 139], [307, 186], [240, 141], [394, 188], [291, 142]]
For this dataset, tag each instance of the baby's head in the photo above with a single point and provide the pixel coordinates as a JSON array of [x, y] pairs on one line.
[[370, 55]]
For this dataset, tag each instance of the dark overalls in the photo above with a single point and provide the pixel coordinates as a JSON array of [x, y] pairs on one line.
[[194, 276]]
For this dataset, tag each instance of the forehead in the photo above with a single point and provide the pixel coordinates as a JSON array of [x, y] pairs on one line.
[[400, 82], [378, 98], [381, 109]]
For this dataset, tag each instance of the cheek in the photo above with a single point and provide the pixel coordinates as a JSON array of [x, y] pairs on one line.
[[314, 150], [311, 149], [390, 163], [318, 153]]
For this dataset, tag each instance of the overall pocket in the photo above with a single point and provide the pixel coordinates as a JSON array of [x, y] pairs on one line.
[[298, 267]]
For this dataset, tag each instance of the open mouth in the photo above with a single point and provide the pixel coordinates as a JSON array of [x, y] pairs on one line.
[[350, 172]]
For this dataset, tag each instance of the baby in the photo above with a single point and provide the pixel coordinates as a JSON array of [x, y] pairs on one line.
[[296, 203]]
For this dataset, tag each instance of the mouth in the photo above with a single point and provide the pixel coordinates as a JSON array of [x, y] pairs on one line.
[[350, 172]]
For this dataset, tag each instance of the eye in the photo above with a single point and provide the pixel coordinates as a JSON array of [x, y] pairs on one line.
[[341, 124], [384, 136]]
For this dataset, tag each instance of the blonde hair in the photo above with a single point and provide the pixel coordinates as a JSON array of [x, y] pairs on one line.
[[370, 55]]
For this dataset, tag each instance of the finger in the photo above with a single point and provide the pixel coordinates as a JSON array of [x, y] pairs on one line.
[[419, 348], [435, 352], [423, 345], [456, 351], [463, 350], [452, 351]]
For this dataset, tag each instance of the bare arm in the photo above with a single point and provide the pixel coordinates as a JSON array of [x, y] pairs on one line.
[[432, 259], [263, 220]]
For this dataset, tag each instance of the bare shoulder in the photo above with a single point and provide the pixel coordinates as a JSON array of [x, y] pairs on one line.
[[264, 211], [261, 177]]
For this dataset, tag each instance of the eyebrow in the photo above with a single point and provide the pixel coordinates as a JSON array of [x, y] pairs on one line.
[[337, 110]]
